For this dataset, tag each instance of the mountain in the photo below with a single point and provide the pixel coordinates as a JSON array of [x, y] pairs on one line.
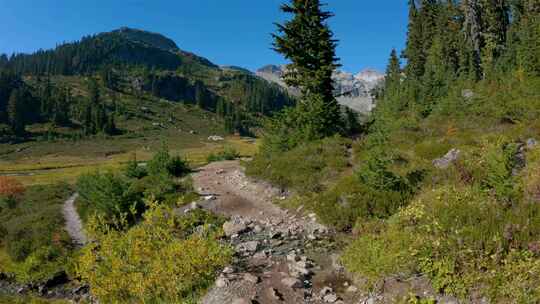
[[353, 91], [141, 64]]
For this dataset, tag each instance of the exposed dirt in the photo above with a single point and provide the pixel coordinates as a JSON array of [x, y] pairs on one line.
[[284, 240]]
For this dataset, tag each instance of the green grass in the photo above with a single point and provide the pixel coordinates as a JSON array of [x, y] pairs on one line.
[[4, 299]]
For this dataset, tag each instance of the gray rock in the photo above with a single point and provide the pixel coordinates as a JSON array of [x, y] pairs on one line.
[[241, 301], [445, 161], [330, 298], [222, 282], [228, 270], [260, 255], [248, 247], [352, 289], [531, 143], [292, 282], [467, 94], [234, 227], [257, 229], [251, 278], [274, 294], [326, 290]]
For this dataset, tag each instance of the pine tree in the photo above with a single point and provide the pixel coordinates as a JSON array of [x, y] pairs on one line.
[[308, 43], [15, 112], [200, 94]]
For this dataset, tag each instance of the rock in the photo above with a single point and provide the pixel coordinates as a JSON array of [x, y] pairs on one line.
[[257, 229], [352, 289], [234, 227], [251, 278], [249, 247], [274, 294], [241, 301], [326, 290], [260, 255], [467, 94], [210, 198], [222, 282], [444, 162], [292, 282], [215, 138], [330, 298], [531, 143], [228, 270], [447, 300], [292, 257]]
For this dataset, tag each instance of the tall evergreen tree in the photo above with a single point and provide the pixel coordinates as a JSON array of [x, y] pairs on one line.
[[15, 112], [308, 43]]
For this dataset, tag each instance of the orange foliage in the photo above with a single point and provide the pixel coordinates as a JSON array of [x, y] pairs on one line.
[[10, 187]]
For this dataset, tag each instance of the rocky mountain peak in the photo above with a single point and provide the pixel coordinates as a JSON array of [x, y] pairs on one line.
[[353, 90]]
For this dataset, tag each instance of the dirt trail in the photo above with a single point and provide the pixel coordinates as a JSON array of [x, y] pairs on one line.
[[280, 256], [74, 225], [229, 192]]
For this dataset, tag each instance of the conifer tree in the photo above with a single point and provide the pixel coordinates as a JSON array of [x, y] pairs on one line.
[[308, 43], [15, 112]]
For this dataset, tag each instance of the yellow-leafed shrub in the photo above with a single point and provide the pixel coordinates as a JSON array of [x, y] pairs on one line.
[[155, 261]]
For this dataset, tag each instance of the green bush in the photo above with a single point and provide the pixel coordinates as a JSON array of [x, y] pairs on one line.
[[162, 163], [305, 168], [133, 170], [157, 187], [110, 195], [227, 154], [177, 166]]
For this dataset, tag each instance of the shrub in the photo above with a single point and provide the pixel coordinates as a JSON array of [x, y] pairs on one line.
[[157, 187], [10, 187], [157, 261], [10, 191], [109, 195], [177, 166], [133, 170], [32, 234], [460, 237], [305, 168], [159, 162], [227, 154], [163, 164]]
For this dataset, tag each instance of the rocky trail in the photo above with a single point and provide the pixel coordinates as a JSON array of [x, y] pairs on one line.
[[74, 225], [280, 256]]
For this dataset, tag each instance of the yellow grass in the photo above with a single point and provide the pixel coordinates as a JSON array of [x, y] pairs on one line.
[[58, 168]]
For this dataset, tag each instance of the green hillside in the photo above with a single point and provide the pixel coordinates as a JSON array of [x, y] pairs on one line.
[[84, 84]]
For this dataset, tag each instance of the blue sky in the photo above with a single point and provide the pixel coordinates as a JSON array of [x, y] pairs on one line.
[[231, 32]]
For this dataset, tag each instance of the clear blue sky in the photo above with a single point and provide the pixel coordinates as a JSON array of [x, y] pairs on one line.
[[231, 32]]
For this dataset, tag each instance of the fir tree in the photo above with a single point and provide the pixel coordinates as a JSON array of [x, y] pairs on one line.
[[308, 43], [15, 112]]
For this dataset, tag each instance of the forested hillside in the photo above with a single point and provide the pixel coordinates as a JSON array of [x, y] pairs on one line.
[[129, 62]]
